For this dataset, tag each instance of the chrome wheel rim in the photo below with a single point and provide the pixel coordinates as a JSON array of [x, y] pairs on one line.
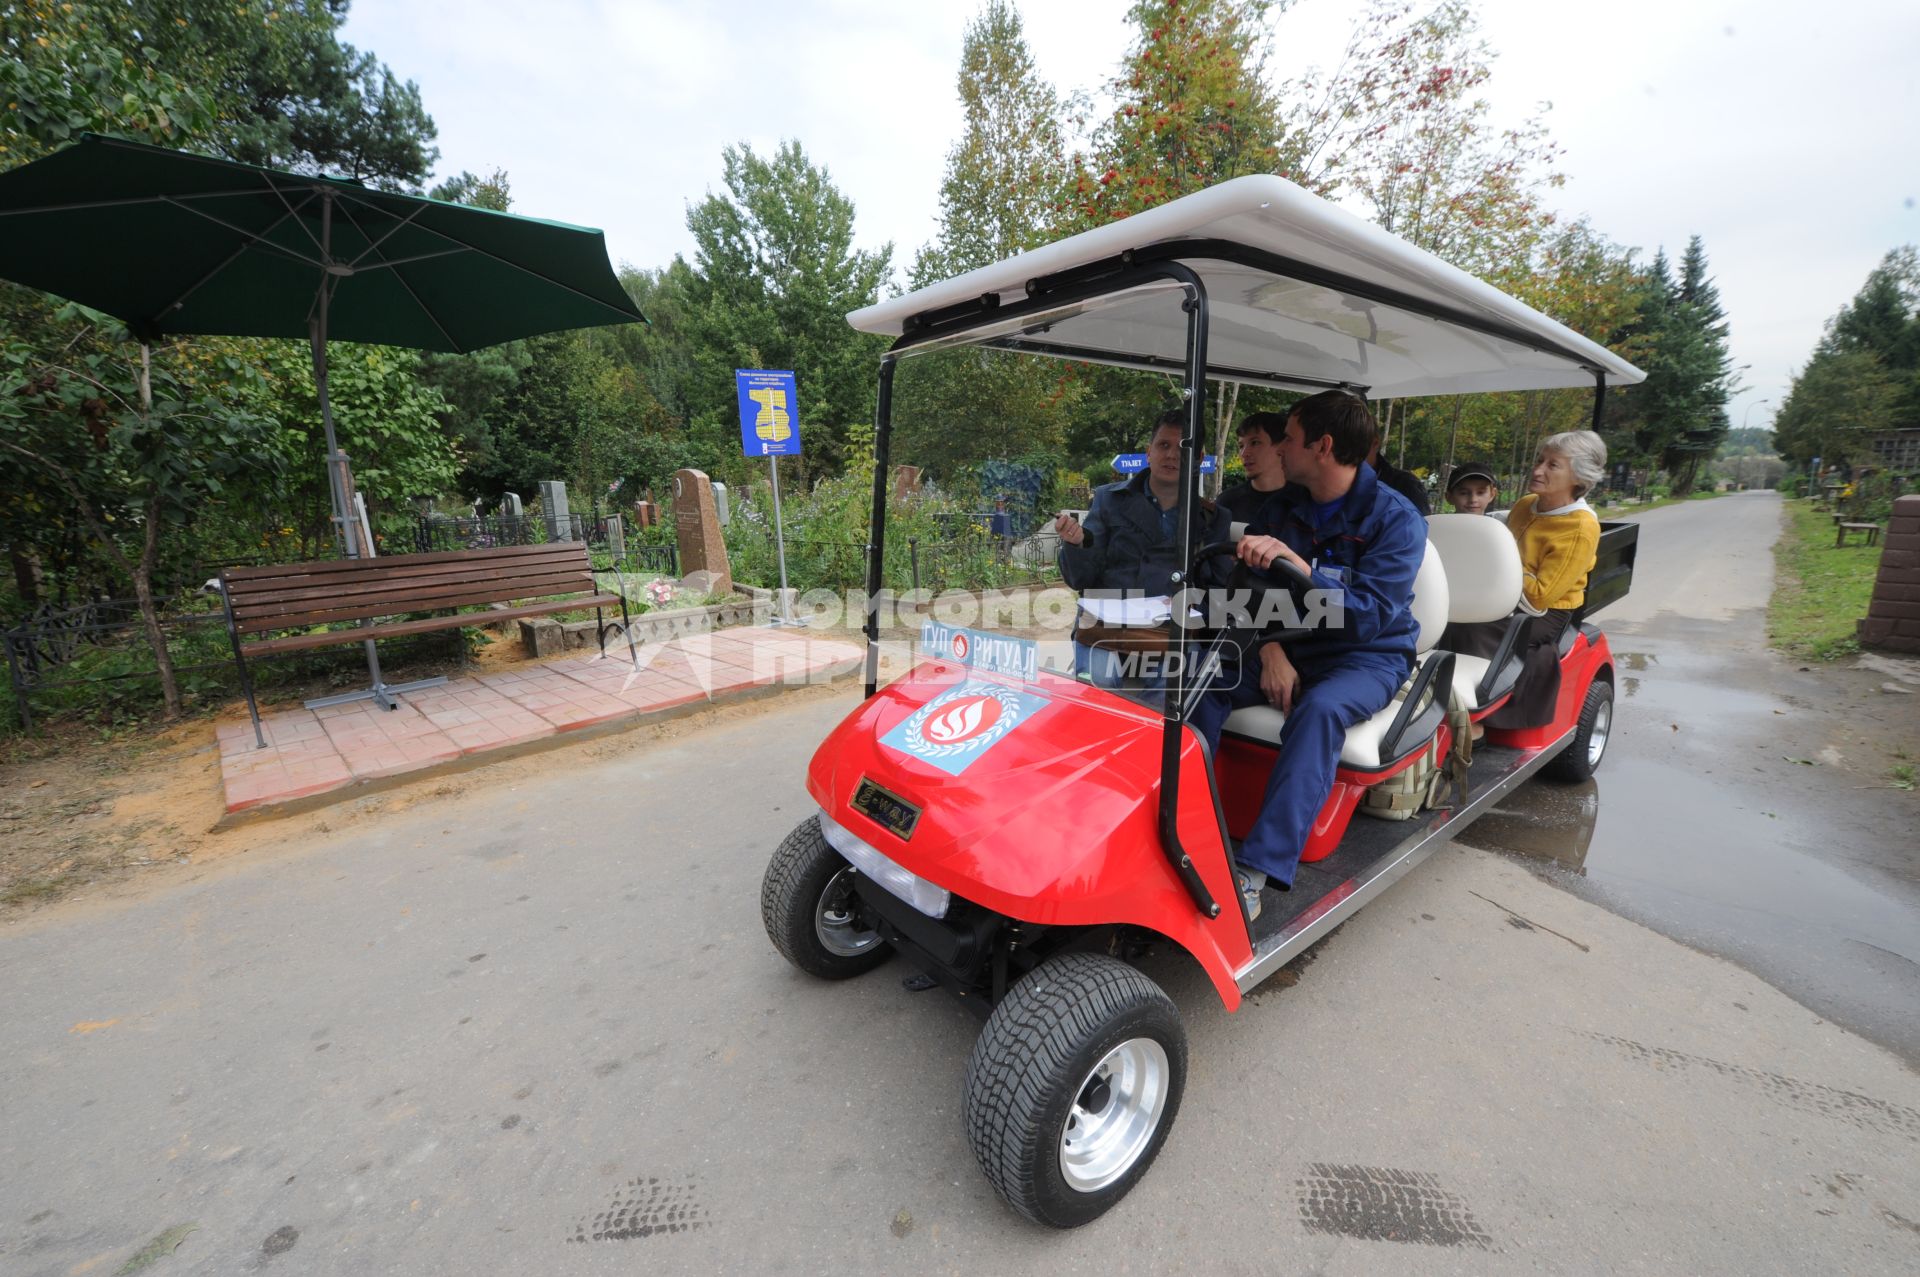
[[833, 920], [1115, 1112], [1597, 738]]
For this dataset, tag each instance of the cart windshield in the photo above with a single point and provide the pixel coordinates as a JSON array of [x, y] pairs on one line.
[[1035, 528]]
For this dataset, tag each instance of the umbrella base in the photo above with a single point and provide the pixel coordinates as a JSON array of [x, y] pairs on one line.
[[380, 693]]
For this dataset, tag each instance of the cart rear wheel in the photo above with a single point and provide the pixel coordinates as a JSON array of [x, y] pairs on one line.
[[1073, 1086], [810, 910], [1582, 755]]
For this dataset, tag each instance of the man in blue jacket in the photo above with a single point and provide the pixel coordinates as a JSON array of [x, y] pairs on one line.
[[1357, 538]]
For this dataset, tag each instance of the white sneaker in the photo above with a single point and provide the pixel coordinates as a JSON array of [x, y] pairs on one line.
[[1250, 882]]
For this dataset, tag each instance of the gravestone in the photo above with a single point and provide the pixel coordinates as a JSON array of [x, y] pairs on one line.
[[696, 526], [721, 504], [1893, 616], [906, 480], [645, 514], [616, 537], [553, 508], [510, 506]]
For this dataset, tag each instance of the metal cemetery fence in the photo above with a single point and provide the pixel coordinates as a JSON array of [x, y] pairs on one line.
[[438, 532], [53, 638]]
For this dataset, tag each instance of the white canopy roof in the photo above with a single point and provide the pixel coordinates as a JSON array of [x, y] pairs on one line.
[[1297, 289]]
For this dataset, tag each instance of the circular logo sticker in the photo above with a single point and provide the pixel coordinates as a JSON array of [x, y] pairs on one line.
[[961, 647], [962, 720]]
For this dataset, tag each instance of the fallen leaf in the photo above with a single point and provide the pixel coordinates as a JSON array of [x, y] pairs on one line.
[[1804, 762], [88, 1026], [37, 784], [157, 1249]]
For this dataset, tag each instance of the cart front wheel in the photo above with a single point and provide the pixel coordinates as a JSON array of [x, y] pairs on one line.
[[1073, 1086], [1581, 757], [810, 910]]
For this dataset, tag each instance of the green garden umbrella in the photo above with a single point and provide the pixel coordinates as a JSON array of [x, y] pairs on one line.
[[176, 243]]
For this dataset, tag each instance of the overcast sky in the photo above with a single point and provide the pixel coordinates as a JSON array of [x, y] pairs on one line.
[[1783, 133]]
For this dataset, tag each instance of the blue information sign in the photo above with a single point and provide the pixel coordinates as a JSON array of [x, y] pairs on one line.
[[769, 413], [1135, 462]]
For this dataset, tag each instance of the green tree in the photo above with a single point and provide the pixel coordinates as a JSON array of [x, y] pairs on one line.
[[775, 272], [996, 197], [74, 68], [261, 81], [1708, 368], [1862, 379], [133, 451], [1192, 108], [386, 419], [1401, 125]]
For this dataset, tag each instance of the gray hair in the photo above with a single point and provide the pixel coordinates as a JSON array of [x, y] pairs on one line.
[[1585, 451]]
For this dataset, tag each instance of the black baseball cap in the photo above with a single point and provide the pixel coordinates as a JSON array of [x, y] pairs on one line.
[[1471, 470]]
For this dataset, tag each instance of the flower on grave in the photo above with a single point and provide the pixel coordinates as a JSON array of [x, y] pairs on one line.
[[661, 591]]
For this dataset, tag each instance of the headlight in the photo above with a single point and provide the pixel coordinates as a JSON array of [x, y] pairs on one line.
[[865, 857]]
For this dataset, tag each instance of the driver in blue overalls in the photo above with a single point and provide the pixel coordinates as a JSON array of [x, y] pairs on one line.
[[1336, 523]]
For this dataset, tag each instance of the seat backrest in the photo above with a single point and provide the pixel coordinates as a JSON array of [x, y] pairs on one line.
[[1482, 564], [1430, 594], [284, 596]]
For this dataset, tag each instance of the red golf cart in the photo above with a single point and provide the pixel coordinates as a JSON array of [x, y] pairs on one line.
[[1020, 834]]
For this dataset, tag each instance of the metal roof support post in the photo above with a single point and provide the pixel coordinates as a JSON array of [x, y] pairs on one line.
[[1173, 727], [877, 528], [1599, 398]]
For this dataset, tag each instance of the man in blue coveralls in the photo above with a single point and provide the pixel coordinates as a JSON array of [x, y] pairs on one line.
[[1338, 524]]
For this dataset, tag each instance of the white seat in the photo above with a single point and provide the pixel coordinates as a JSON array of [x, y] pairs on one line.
[[1362, 750], [1484, 579], [1235, 531]]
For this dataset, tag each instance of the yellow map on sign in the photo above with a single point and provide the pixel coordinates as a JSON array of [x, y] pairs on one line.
[[771, 423]]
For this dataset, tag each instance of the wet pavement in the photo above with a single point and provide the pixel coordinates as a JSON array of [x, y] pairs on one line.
[[1735, 811]]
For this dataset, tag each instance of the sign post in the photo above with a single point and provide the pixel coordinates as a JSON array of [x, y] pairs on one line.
[[770, 428]]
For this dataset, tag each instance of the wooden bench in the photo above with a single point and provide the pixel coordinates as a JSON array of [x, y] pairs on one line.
[[1840, 531], [300, 596]]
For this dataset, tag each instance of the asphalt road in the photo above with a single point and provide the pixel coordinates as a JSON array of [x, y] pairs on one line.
[[1737, 811], [449, 1040]]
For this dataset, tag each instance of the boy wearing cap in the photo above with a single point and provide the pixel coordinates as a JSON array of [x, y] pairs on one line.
[[1472, 489]]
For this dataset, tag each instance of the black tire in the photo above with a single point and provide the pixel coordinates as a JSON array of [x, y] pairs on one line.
[[1581, 758], [804, 901], [1035, 1069]]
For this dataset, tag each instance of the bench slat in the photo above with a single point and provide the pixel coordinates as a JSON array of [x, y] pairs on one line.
[[378, 570], [322, 566], [312, 612], [309, 589], [331, 638]]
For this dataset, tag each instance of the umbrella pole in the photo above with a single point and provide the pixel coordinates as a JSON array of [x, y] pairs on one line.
[[344, 520]]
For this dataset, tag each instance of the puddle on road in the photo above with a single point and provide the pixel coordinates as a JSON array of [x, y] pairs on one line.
[[1682, 830], [1546, 822]]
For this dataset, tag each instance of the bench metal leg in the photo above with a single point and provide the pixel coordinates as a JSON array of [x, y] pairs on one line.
[[240, 659], [626, 623], [382, 692]]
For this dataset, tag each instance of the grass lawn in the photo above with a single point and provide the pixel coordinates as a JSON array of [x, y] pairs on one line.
[[1819, 593]]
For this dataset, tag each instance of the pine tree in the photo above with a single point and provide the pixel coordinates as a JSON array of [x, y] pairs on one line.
[[1704, 370]]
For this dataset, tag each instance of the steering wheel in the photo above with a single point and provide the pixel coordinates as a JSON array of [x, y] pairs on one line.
[[1291, 577]]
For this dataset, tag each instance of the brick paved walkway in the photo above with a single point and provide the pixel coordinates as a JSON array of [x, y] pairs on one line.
[[310, 751]]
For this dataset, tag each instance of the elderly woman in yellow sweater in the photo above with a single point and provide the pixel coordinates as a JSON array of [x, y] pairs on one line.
[[1559, 535]]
